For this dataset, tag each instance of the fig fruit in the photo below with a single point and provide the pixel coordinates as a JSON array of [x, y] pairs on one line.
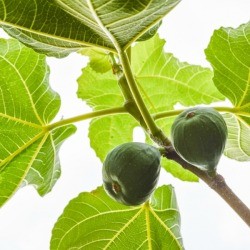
[[131, 171], [199, 136]]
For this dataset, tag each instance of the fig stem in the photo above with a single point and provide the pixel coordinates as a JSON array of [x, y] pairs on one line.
[[129, 103]]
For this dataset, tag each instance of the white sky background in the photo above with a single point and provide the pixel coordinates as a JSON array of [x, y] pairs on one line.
[[208, 223]]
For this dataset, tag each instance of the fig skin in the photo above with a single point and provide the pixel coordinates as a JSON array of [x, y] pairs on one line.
[[130, 172], [199, 136]]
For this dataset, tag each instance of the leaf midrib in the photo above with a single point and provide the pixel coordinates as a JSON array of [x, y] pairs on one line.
[[148, 226], [21, 149], [12, 118], [112, 240], [28, 167], [102, 26], [70, 11], [79, 43], [165, 226]]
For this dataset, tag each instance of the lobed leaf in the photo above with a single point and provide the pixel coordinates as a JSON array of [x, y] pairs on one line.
[[28, 152], [228, 52], [95, 221], [118, 21]]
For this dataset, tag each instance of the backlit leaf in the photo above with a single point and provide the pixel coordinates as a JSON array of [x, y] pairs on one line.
[[98, 59], [228, 53], [95, 221], [165, 81], [28, 151]]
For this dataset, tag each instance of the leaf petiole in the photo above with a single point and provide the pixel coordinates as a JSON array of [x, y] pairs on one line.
[[98, 113]]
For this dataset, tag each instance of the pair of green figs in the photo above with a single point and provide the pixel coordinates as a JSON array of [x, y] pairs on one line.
[[131, 170]]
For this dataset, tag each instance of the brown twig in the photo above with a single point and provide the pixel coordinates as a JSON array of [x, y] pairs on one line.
[[216, 182]]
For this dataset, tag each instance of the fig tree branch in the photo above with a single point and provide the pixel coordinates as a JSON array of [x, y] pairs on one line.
[[216, 182], [153, 129], [129, 102]]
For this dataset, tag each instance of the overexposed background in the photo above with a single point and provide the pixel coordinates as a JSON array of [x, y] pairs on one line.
[[208, 222]]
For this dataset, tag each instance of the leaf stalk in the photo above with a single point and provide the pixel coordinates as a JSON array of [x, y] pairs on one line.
[[94, 114]]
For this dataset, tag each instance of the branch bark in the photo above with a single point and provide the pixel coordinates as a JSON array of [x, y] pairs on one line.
[[216, 182]]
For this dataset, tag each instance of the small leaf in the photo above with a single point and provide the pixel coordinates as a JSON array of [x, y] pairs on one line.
[[28, 152], [98, 59], [95, 221], [228, 52]]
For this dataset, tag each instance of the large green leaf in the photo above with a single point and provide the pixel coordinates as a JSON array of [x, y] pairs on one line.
[[28, 151], [118, 21], [163, 82], [61, 26], [228, 52], [94, 221]]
